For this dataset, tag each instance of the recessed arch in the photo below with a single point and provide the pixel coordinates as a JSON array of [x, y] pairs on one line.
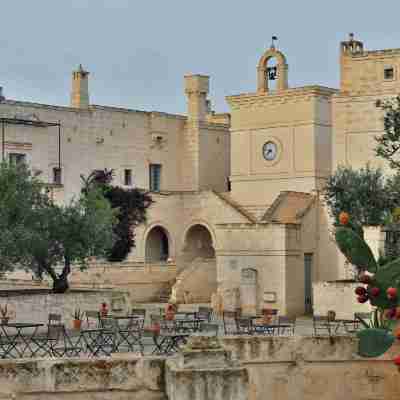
[[198, 242], [157, 244]]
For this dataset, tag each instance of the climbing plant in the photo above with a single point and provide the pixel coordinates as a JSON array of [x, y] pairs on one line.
[[132, 205]]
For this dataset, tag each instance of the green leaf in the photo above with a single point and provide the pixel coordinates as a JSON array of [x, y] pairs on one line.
[[386, 277], [374, 342], [355, 249]]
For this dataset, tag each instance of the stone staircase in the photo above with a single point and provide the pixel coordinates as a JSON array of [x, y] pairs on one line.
[[196, 282]]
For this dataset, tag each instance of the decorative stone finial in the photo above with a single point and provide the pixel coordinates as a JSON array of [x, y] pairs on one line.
[[351, 37]]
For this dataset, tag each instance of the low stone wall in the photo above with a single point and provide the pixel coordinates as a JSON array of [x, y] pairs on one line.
[[35, 307], [250, 368], [89, 379], [307, 368], [337, 296]]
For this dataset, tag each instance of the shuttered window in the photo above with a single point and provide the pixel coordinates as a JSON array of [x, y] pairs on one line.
[[155, 177]]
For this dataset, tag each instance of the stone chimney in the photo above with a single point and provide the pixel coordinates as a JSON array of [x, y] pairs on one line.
[[196, 89], [80, 88]]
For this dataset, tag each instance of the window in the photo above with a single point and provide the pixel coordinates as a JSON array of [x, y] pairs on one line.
[[155, 177], [57, 175], [388, 73], [17, 158], [128, 177]]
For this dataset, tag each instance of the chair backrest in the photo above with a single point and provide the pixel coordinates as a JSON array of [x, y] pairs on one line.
[[140, 312], [244, 325], [167, 326], [283, 319], [55, 332], [229, 320], [54, 319], [210, 329], [204, 313], [109, 323]]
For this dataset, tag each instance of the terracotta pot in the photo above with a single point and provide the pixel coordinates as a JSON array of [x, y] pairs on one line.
[[77, 323]]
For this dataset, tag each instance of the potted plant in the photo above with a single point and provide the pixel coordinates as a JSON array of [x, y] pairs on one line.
[[4, 314], [77, 321], [170, 310]]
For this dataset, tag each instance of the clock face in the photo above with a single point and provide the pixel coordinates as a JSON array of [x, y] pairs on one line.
[[270, 151]]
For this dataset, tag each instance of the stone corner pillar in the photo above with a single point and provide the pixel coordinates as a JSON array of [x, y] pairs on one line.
[[203, 371]]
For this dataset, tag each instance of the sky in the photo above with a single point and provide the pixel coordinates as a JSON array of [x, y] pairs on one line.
[[137, 52]]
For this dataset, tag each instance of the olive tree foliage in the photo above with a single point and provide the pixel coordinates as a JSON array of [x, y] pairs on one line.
[[362, 193], [388, 144], [39, 235]]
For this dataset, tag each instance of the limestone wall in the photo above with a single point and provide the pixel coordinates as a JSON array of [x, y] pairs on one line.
[[89, 379], [339, 297], [36, 307], [307, 368]]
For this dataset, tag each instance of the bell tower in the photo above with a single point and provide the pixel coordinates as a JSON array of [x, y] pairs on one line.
[[80, 88], [267, 73]]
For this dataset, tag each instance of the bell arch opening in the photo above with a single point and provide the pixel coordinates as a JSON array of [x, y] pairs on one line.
[[198, 243], [157, 245]]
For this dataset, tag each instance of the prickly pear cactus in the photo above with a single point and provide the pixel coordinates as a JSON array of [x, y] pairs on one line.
[[380, 285]]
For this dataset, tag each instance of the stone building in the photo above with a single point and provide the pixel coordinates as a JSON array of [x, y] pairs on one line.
[[237, 196]]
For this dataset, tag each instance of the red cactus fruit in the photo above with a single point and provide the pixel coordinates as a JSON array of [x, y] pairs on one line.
[[390, 313], [374, 291], [391, 293], [365, 278], [360, 291], [396, 360], [362, 299]]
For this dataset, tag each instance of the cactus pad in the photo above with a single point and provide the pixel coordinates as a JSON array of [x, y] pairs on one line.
[[355, 249]]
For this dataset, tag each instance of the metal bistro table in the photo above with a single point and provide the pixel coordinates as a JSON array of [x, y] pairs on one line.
[[188, 324], [97, 341], [20, 340]]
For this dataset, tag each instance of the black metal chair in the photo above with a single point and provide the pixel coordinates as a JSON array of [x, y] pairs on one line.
[[44, 342], [229, 322], [244, 326], [287, 325], [139, 312], [209, 329], [204, 313], [130, 335], [60, 343], [322, 325]]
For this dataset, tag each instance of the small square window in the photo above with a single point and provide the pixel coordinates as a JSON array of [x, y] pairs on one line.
[[388, 73], [128, 177], [57, 176]]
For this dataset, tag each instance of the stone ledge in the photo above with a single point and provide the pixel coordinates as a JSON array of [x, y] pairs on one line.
[[132, 374]]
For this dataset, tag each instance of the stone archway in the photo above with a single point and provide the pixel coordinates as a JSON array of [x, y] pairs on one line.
[[198, 243], [157, 245]]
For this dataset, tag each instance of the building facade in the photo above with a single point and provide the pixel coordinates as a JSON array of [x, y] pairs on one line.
[[238, 206]]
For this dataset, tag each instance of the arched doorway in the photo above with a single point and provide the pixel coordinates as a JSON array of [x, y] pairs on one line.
[[157, 245], [198, 243]]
